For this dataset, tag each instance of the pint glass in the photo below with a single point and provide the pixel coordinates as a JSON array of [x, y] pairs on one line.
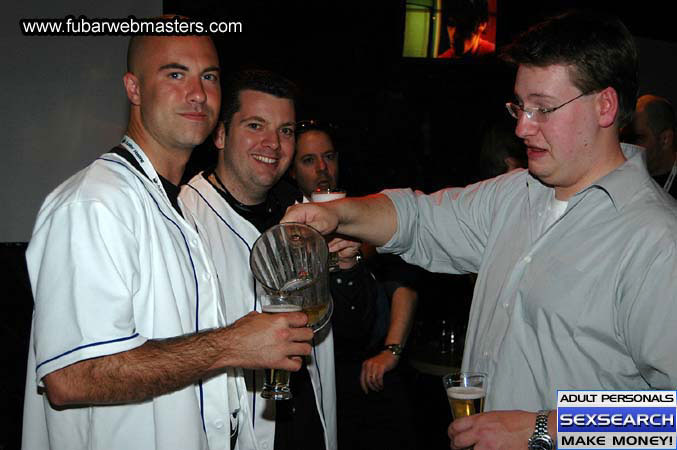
[[466, 392], [327, 195]]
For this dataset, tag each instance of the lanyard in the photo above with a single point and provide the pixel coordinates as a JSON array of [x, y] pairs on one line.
[[671, 177], [144, 162]]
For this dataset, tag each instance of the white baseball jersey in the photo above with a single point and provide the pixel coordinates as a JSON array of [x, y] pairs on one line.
[[230, 238], [112, 264]]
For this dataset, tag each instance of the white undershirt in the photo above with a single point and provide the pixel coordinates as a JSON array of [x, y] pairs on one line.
[[553, 211]]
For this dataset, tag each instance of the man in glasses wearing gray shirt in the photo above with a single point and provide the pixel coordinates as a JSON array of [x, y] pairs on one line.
[[576, 257]]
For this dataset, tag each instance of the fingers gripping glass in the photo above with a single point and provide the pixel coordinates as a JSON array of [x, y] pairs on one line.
[[539, 115]]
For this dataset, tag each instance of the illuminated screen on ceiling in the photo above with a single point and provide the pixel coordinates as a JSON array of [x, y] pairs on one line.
[[449, 29]]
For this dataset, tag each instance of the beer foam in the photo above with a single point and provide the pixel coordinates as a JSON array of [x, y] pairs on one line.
[[327, 196], [280, 308], [465, 393]]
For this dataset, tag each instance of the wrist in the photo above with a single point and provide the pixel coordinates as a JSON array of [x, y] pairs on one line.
[[541, 438], [350, 263], [394, 349]]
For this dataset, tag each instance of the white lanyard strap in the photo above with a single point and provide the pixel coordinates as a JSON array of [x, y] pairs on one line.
[[671, 177], [144, 162]]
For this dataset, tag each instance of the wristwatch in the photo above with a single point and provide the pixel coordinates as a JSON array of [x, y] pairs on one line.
[[541, 440], [395, 349]]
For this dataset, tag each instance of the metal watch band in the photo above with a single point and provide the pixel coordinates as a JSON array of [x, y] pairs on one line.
[[542, 422], [541, 440], [395, 349]]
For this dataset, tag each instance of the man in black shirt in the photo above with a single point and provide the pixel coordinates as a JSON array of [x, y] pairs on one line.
[[370, 382]]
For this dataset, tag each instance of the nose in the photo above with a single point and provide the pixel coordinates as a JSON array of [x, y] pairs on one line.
[[196, 91], [320, 165], [525, 126], [270, 139]]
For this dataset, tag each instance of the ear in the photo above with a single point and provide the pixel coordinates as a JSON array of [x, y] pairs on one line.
[[607, 106], [133, 88], [666, 138], [219, 136]]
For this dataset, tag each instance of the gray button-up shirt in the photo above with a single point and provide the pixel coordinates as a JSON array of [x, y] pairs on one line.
[[589, 303]]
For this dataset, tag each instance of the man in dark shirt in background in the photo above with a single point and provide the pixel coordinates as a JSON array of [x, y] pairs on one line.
[[653, 127]]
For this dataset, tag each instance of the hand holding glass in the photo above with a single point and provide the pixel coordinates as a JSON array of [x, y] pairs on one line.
[[327, 195]]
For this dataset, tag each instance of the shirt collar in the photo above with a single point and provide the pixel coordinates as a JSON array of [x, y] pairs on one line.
[[622, 183]]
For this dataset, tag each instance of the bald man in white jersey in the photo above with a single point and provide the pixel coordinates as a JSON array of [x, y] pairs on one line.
[[129, 347]]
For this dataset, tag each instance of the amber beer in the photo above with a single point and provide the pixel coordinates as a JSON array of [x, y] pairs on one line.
[[466, 392], [315, 313], [276, 384], [465, 401]]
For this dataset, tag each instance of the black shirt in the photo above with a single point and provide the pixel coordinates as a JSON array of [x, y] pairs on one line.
[[171, 189], [661, 179]]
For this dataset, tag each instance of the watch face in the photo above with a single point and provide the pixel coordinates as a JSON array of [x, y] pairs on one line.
[[540, 443], [396, 349]]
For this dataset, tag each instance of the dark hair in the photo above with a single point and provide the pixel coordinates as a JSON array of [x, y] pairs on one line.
[[132, 50], [660, 115], [328, 128], [598, 47], [466, 15], [498, 143], [255, 80]]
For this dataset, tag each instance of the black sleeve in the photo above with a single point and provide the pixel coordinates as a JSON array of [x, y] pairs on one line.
[[392, 272], [354, 293]]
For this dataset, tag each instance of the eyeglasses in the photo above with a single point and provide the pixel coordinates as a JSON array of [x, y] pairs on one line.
[[308, 125], [539, 115]]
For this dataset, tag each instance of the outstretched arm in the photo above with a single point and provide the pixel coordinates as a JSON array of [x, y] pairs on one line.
[[371, 219], [161, 366]]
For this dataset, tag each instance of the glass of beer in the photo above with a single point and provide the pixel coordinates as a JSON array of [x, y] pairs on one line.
[[276, 383], [327, 195], [289, 263], [466, 392]]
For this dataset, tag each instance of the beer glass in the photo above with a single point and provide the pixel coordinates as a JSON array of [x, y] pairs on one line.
[[327, 195], [466, 392], [289, 262]]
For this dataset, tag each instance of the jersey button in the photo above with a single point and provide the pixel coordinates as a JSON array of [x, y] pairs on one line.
[[218, 424]]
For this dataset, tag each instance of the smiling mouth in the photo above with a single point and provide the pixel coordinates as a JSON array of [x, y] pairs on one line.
[[264, 159]]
